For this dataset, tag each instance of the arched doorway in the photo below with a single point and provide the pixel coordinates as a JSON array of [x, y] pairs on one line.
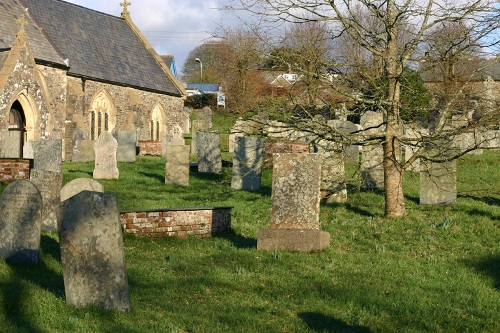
[[17, 130], [157, 127]]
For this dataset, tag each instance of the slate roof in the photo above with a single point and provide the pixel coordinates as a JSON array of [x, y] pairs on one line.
[[204, 87], [10, 11], [98, 46], [484, 68]]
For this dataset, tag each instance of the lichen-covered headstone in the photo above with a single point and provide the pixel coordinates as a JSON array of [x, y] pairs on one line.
[[295, 203], [247, 164], [372, 157], [208, 151], [49, 184], [127, 145], [48, 155], [20, 222], [333, 184], [83, 151], [177, 165], [105, 157], [78, 185], [92, 254]]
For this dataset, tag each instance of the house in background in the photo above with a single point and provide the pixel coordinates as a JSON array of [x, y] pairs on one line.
[[169, 60], [66, 69]]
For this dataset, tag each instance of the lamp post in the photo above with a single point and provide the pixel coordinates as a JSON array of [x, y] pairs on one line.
[[201, 79]]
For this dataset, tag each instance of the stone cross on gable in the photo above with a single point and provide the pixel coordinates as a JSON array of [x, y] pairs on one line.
[[125, 5]]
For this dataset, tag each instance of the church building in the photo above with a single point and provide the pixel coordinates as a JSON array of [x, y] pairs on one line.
[[66, 69]]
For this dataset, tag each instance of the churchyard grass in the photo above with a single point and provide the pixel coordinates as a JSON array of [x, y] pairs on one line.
[[435, 270]]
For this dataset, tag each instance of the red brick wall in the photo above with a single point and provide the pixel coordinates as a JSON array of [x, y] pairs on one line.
[[272, 146], [150, 148], [14, 169], [199, 222]]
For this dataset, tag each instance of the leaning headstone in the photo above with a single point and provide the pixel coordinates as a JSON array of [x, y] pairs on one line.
[[438, 180], [48, 155], [127, 147], [49, 184], [208, 151], [78, 185], [247, 164], [295, 201], [20, 222], [92, 256], [105, 157], [372, 171], [177, 165]]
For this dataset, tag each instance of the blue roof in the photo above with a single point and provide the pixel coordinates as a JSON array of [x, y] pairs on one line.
[[204, 87]]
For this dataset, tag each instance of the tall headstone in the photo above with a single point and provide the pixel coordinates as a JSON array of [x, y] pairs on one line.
[[197, 126], [20, 222], [49, 184], [177, 165], [92, 255], [78, 185], [105, 157], [295, 202], [127, 145], [208, 151], [438, 184], [247, 164], [372, 157], [48, 155]]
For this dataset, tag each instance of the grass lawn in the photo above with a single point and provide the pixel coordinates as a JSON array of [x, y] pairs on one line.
[[435, 270]]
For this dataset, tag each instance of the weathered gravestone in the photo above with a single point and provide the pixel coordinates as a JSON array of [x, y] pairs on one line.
[[372, 157], [92, 254], [10, 144], [49, 184], [20, 222], [208, 151], [295, 201], [48, 155], [351, 151], [438, 185], [205, 116], [237, 130], [177, 165], [247, 164], [105, 157], [199, 125], [127, 147], [174, 139], [83, 151], [333, 185], [78, 185], [28, 151]]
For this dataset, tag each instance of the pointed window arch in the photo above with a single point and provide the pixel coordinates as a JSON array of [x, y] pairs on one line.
[[157, 127], [102, 115]]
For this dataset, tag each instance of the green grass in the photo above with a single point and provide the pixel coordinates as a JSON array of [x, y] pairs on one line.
[[435, 270]]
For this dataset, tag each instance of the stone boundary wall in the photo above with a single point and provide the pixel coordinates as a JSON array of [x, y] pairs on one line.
[[273, 146], [14, 169], [150, 148], [178, 222]]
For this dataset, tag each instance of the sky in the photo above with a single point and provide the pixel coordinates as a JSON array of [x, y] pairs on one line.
[[171, 26]]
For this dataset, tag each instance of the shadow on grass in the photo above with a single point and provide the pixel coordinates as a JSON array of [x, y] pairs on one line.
[[487, 200], [489, 266], [155, 176], [318, 322], [240, 242]]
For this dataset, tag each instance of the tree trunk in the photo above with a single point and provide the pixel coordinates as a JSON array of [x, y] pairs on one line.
[[393, 175]]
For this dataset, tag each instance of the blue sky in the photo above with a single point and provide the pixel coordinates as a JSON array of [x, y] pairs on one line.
[[171, 26]]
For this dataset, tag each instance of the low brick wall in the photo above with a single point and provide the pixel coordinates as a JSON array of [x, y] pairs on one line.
[[12, 169], [150, 148], [272, 146], [179, 222]]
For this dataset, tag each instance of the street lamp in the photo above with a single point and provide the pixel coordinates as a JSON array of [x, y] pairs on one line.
[[201, 80]]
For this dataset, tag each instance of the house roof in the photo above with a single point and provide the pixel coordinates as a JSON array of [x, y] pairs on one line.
[[204, 87], [98, 46], [479, 68], [10, 12]]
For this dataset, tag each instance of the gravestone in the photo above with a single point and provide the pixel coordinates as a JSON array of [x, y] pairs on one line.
[[20, 222], [438, 184], [333, 184], [247, 164], [208, 151], [28, 151], [83, 151], [92, 256], [10, 144], [105, 157], [413, 137], [78, 185], [295, 201], [169, 140], [372, 157], [47, 155], [197, 126], [177, 165], [205, 116], [49, 184], [237, 130], [127, 147]]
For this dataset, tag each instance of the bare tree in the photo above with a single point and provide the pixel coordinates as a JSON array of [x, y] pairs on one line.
[[385, 37]]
